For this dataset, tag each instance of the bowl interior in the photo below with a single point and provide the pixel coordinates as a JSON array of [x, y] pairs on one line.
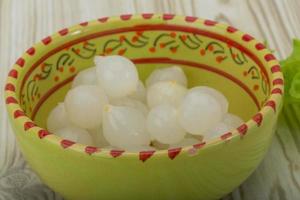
[[209, 56]]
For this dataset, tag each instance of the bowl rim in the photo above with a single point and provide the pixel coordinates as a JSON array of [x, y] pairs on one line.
[[271, 106]]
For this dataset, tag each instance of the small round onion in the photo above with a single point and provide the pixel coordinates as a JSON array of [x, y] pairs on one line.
[[174, 73], [84, 105], [57, 118], [124, 127], [165, 92], [140, 93], [125, 101], [117, 75], [85, 77], [163, 125], [216, 94], [98, 137], [199, 112]]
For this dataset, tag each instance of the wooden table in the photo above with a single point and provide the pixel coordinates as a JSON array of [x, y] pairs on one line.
[[24, 22]]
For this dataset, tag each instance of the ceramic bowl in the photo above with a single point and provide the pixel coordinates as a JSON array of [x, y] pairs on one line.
[[211, 53]]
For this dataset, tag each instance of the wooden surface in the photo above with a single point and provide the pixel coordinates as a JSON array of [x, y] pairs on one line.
[[24, 22]]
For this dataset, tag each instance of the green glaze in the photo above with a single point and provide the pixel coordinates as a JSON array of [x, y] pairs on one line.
[[204, 171]]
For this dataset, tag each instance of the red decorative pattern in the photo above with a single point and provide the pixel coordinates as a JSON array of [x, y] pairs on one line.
[[231, 29], [210, 22], [242, 129], [116, 153], [258, 118], [46, 40], [145, 155], [43, 133], [30, 51], [168, 16], [147, 15], [126, 17], [172, 153], [90, 150], [13, 73], [20, 62], [226, 136], [190, 19], [18, 113], [103, 19], [278, 81], [83, 23], [272, 104], [247, 37], [199, 145], [10, 100], [260, 46], [276, 91], [28, 125], [275, 68], [269, 57], [63, 32], [10, 87], [66, 143]]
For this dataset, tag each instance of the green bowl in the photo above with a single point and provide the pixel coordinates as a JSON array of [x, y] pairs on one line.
[[210, 53]]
